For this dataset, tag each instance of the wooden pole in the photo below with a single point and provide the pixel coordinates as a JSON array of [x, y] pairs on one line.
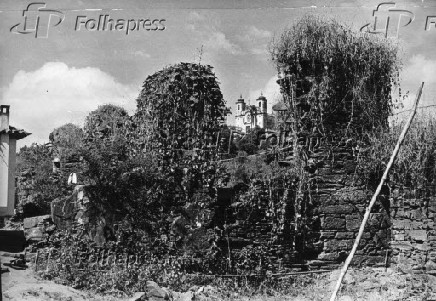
[[1, 290], [230, 140], [374, 197]]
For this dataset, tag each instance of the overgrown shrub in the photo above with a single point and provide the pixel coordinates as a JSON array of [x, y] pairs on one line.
[[67, 141], [36, 179], [336, 81], [180, 108], [250, 142], [415, 165]]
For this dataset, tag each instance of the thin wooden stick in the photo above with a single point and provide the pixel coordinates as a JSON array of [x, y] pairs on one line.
[[281, 275], [36, 260], [374, 197], [1, 291]]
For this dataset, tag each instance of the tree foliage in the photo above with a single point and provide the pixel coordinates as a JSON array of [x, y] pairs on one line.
[[335, 78], [180, 108], [35, 170], [415, 166]]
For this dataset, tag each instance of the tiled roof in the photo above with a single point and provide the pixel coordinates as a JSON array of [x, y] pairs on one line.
[[280, 106], [15, 133]]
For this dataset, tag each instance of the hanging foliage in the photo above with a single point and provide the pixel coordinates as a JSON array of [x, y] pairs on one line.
[[181, 108], [336, 80]]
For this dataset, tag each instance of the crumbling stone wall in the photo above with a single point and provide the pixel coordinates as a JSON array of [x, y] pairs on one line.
[[29, 178], [413, 213], [69, 210], [320, 231], [339, 203], [24, 192], [264, 227], [320, 228]]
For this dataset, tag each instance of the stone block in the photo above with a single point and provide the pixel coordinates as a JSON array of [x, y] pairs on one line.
[[417, 214], [418, 235], [333, 223], [353, 224], [344, 235], [186, 296], [139, 296], [338, 209], [338, 245], [417, 225], [155, 293], [366, 235], [352, 195], [34, 234], [32, 222], [375, 260], [399, 237], [430, 265], [328, 256], [422, 247], [401, 224], [402, 246], [327, 234]]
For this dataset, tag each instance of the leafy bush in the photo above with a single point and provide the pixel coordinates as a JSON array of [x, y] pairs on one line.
[[249, 143], [335, 79], [35, 178], [415, 165], [180, 107], [35, 170], [67, 141]]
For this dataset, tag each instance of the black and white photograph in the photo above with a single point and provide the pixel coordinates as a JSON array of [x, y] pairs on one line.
[[208, 150]]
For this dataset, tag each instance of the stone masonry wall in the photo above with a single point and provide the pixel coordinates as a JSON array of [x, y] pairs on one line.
[[320, 231], [413, 213], [27, 190], [258, 227], [338, 205]]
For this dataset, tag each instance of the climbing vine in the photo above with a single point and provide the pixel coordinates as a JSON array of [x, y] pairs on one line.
[[337, 82]]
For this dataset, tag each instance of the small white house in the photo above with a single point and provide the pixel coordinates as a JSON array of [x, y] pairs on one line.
[[8, 149]]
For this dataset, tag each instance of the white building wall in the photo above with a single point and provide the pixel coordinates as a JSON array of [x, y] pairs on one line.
[[4, 173], [260, 120], [12, 171]]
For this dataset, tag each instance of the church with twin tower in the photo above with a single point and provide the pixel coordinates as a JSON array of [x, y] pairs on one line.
[[251, 116]]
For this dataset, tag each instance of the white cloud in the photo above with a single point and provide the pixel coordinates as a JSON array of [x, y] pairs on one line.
[[254, 34], [206, 31], [56, 94], [255, 39], [217, 40], [419, 69], [271, 91], [142, 54]]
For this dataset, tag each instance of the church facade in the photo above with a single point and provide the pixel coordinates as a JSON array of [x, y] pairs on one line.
[[251, 116]]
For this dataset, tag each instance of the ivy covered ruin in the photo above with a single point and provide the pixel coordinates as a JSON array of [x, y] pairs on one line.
[[157, 182]]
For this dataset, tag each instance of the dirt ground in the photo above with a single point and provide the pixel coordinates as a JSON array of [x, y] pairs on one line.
[[360, 284], [23, 285]]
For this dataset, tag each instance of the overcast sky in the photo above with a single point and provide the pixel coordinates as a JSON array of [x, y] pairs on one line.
[[59, 79]]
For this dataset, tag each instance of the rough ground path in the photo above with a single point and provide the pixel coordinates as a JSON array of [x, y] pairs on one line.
[[362, 284], [23, 285]]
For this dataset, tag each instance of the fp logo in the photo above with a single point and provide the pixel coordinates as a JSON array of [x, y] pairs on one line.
[[388, 19], [37, 19]]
